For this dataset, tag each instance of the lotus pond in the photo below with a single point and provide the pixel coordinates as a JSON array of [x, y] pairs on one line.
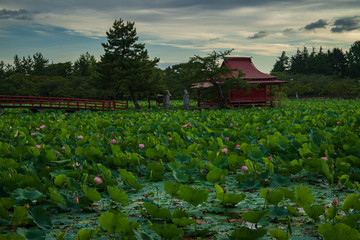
[[289, 172]]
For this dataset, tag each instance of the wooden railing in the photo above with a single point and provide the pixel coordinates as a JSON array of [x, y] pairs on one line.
[[245, 101], [60, 103]]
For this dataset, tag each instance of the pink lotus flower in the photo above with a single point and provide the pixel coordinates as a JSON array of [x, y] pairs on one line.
[[245, 168], [183, 126], [224, 150], [33, 134], [189, 124], [57, 153], [237, 146], [80, 136], [141, 145], [113, 141], [270, 157], [98, 180], [97, 136], [325, 158], [76, 199], [257, 127], [338, 123], [63, 148], [170, 139], [231, 124], [38, 146], [335, 202], [227, 139], [38, 129], [42, 126], [76, 164]]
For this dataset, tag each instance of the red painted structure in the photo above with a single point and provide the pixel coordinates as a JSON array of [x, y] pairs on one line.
[[260, 93], [70, 104]]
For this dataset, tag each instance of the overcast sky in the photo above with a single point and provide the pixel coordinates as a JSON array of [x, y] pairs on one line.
[[173, 31]]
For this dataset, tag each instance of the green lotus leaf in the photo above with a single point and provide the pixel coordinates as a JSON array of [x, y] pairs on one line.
[[92, 194], [85, 234], [157, 212], [118, 195], [338, 232]]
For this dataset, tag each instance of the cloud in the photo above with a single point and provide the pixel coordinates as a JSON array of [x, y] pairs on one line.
[[346, 24], [20, 14], [321, 23], [258, 35]]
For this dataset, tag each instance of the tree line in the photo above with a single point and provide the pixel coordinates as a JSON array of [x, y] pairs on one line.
[[125, 71], [333, 73]]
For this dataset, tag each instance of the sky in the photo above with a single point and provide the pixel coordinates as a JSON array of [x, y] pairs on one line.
[[174, 31]]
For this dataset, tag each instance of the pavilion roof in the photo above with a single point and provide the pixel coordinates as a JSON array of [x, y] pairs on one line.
[[245, 65]]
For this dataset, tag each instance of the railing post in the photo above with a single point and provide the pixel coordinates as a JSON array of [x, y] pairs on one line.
[[114, 102]]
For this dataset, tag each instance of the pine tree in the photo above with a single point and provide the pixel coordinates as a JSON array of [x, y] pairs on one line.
[[282, 64], [126, 66]]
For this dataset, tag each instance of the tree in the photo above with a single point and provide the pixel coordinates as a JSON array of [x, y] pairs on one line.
[[220, 76], [85, 66], [126, 65], [282, 64], [180, 77], [40, 64], [353, 57]]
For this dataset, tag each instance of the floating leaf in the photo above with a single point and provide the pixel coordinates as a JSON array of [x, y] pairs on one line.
[[31, 233], [23, 194], [40, 217]]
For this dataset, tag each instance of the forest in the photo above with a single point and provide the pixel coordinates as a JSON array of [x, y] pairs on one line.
[[130, 74]]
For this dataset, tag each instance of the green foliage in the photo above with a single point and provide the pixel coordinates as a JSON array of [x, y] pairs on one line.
[[129, 179], [40, 217], [172, 188], [216, 175], [92, 194], [254, 216], [245, 233], [272, 197], [118, 195], [168, 231], [314, 211], [303, 196], [228, 199], [85, 234], [157, 212], [279, 234], [338, 232], [193, 196], [117, 223]]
